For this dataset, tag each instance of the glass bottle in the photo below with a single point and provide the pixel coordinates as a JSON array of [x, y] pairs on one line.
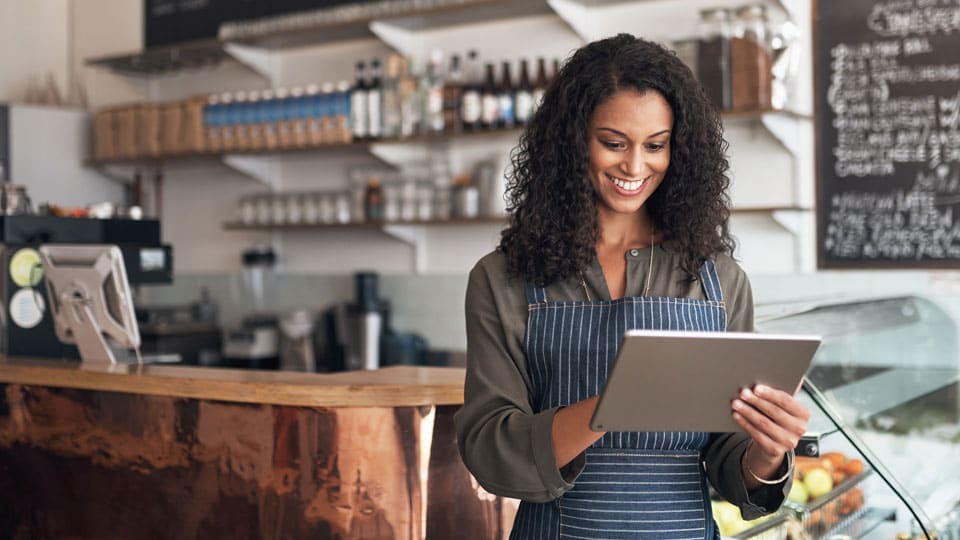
[[391, 110], [433, 96], [713, 56], [452, 92], [373, 200], [523, 96], [375, 101], [411, 102], [540, 85], [505, 94], [358, 103], [471, 107], [490, 101]]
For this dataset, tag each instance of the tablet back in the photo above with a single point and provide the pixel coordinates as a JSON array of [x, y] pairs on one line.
[[686, 381]]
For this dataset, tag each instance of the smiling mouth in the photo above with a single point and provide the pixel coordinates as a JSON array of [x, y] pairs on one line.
[[627, 185]]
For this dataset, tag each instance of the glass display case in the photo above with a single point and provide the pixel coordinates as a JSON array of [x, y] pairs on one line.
[[889, 369]]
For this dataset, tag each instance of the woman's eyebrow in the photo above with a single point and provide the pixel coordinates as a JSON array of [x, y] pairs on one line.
[[622, 134]]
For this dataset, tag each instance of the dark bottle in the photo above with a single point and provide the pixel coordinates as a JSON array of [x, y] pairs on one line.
[[373, 200], [452, 92], [490, 101], [505, 96], [523, 96], [713, 57], [540, 85], [556, 68], [471, 101], [358, 104], [375, 102]]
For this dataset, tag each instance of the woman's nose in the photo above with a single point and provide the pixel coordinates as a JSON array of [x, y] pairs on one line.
[[632, 164]]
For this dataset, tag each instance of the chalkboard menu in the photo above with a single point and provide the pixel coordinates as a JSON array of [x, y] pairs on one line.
[[888, 133], [167, 22]]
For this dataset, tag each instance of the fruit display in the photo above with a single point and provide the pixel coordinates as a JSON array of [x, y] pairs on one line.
[[732, 525], [825, 490]]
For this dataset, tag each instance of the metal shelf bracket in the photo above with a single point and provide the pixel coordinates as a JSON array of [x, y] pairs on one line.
[[259, 168], [259, 60], [414, 237], [578, 16]]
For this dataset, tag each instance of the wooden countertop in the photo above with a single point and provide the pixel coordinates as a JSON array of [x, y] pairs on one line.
[[398, 386]]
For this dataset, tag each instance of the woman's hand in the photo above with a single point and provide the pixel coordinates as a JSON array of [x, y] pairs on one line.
[[775, 421]]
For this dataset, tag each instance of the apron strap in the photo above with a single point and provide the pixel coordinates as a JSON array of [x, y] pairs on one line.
[[710, 281], [535, 295]]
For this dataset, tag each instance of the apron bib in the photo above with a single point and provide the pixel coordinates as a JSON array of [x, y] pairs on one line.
[[634, 485]]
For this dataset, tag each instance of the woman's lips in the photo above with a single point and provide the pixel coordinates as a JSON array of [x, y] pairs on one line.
[[627, 187]]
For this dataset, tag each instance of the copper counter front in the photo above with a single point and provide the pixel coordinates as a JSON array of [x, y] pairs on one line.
[[80, 463]]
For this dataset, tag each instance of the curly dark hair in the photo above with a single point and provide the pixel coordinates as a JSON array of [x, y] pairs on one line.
[[553, 227]]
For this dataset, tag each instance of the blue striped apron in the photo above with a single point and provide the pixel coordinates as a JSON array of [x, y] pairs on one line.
[[634, 485]]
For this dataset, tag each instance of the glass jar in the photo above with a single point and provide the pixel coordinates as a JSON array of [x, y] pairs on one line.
[[278, 206], [713, 56], [327, 203], [311, 208], [343, 206], [295, 208], [264, 210], [248, 210], [751, 60], [425, 201]]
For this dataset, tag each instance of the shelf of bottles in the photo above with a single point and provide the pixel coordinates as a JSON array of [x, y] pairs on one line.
[[395, 104], [380, 106]]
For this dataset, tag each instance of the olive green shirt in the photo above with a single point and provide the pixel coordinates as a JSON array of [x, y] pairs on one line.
[[506, 445]]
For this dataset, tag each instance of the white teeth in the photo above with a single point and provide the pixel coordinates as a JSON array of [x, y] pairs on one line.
[[628, 186]]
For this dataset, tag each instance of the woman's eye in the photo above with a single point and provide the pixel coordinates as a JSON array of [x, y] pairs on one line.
[[655, 147], [613, 145]]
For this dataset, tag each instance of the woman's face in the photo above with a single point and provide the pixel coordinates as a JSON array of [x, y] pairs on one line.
[[629, 149]]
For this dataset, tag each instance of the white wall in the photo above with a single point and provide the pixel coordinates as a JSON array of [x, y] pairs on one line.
[[33, 45], [47, 148]]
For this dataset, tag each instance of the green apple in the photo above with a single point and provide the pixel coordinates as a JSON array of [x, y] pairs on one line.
[[818, 482], [728, 518], [798, 493]]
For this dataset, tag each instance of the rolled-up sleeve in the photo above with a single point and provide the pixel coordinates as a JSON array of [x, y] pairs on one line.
[[506, 445]]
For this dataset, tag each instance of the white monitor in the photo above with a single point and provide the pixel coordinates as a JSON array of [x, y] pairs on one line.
[[90, 300]]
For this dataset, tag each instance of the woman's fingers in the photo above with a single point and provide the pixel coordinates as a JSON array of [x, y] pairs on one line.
[[761, 440], [783, 400], [773, 428], [781, 408]]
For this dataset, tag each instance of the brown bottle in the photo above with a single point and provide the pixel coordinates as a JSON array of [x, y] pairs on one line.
[[540, 84], [489, 100], [523, 103], [452, 92], [373, 200]]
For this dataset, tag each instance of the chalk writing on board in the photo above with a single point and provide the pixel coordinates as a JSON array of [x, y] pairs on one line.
[[919, 222], [876, 130], [890, 160]]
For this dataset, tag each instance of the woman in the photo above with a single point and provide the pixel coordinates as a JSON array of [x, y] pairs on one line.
[[618, 208]]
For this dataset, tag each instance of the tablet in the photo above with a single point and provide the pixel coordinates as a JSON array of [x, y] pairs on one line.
[[686, 381]]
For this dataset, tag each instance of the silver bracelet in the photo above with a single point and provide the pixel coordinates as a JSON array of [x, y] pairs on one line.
[[780, 480]]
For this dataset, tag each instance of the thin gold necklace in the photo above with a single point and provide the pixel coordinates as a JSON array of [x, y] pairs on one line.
[[646, 287]]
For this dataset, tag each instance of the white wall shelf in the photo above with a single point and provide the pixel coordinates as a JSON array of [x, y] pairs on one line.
[[412, 233]]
